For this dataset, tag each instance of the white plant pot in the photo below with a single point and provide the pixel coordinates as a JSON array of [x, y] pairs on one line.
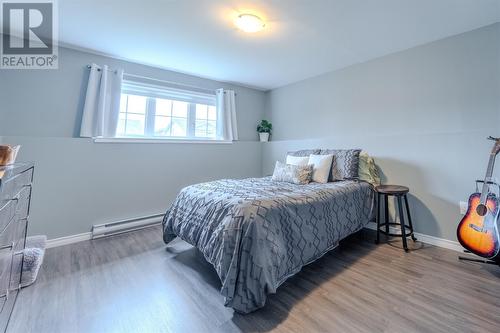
[[264, 137]]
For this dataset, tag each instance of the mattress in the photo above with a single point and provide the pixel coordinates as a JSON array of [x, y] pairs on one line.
[[257, 232]]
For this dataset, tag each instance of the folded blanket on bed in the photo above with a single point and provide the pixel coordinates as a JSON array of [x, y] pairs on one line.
[[257, 232]]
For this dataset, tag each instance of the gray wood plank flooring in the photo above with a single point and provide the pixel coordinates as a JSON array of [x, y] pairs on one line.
[[135, 283]]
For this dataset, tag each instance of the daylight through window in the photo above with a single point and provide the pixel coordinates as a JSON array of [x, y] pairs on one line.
[[148, 111]]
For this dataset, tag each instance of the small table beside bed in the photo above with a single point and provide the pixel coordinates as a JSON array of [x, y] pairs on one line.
[[258, 232]]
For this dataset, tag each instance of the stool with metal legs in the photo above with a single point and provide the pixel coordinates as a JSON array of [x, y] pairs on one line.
[[400, 192]]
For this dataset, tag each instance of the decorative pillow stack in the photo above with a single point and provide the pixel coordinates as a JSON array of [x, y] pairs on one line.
[[330, 164], [299, 164]]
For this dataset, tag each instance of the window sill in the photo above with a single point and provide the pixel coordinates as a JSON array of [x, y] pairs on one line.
[[154, 140]]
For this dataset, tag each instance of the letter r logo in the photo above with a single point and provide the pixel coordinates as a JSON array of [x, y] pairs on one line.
[[27, 27]]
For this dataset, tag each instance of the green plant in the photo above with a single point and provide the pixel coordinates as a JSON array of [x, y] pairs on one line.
[[265, 127]]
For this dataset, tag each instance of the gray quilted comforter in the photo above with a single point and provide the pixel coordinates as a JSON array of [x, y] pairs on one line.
[[257, 233]]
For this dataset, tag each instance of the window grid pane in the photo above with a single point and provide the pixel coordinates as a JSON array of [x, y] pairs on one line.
[[132, 116], [212, 114], [163, 126], [135, 124], [163, 107], [201, 111], [179, 109], [211, 128], [165, 118], [136, 104], [179, 126], [201, 128], [205, 121]]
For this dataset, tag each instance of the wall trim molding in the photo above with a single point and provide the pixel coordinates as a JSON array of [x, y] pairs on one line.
[[66, 240], [432, 240]]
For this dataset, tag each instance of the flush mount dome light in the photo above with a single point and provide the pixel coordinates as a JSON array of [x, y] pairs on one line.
[[249, 23]]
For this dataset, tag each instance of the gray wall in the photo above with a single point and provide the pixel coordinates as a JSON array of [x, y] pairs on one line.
[[422, 113], [79, 183]]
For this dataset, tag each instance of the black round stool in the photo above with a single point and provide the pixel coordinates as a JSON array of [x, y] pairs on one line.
[[384, 191]]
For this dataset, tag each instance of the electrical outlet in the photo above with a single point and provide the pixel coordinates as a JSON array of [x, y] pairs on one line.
[[463, 207]]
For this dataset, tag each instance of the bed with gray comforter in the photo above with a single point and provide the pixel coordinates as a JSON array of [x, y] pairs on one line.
[[257, 232]]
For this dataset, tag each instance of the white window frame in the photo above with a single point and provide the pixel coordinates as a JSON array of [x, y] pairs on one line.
[[151, 92]]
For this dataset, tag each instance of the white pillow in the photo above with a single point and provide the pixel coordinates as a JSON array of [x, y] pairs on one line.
[[321, 167], [297, 160]]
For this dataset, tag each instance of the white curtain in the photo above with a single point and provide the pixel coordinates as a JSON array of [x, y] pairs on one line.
[[102, 102], [226, 111]]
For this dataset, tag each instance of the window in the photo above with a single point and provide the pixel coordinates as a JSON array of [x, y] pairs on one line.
[[148, 111]]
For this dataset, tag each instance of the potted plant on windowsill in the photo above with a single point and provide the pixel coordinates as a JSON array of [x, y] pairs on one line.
[[264, 129]]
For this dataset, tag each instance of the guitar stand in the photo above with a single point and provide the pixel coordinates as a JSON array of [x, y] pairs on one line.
[[482, 261], [486, 183]]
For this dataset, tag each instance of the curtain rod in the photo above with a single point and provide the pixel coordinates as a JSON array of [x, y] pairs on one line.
[[160, 80]]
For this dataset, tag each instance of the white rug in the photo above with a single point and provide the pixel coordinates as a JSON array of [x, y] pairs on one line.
[[33, 258]]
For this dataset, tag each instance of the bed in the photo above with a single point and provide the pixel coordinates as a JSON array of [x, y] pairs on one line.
[[257, 232]]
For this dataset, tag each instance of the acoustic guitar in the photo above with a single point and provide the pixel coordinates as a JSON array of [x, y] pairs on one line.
[[478, 230]]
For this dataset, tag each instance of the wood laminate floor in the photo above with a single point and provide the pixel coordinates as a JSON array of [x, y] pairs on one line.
[[134, 283]]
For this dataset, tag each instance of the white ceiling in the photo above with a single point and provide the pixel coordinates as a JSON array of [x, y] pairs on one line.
[[303, 38]]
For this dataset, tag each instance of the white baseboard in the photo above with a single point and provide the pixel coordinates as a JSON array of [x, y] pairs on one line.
[[436, 241], [440, 242], [68, 240]]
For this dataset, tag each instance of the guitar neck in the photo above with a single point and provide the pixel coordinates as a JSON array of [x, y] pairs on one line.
[[487, 178]]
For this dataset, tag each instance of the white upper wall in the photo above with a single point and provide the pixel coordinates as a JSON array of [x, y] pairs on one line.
[[302, 38]]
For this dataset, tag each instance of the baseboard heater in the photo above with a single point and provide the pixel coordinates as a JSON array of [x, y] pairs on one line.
[[119, 227]]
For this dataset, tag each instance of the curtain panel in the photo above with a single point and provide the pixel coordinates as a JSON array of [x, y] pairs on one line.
[[102, 102], [226, 113]]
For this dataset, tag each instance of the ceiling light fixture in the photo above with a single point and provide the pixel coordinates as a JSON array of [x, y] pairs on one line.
[[250, 23]]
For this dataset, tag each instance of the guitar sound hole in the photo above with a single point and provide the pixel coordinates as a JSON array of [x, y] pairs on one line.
[[481, 210]]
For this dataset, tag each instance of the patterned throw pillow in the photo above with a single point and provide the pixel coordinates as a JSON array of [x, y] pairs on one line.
[[304, 152], [295, 174], [345, 163]]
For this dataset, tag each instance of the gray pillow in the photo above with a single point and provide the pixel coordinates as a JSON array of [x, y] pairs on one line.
[[295, 174], [345, 163], [304, 152]]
